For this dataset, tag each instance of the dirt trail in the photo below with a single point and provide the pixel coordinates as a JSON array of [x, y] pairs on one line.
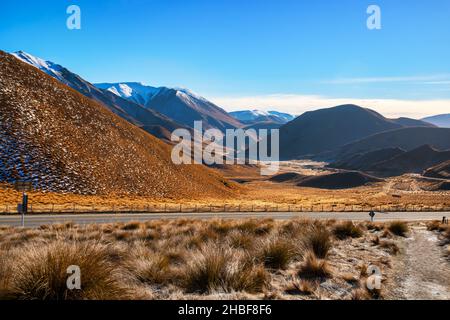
[[421, 271]]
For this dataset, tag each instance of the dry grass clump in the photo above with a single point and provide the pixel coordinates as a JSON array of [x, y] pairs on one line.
[[314, 268], [152, 270], [216, 268], [389, 245], [40, 272], [346, 230], [443, 229], [132, 226], [277, 253], [318, 239], [258, 228], [399, 228], [360, 294], [374, 226], [434, 225], [241, 240], [301, 287]]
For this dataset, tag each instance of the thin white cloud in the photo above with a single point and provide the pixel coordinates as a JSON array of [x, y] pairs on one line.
[[430, 79], [297, 104], [442, 82]]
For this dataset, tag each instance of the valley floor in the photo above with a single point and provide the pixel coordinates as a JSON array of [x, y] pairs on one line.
[[255, 193]]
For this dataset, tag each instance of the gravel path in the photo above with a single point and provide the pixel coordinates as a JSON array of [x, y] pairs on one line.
[[421, 271]]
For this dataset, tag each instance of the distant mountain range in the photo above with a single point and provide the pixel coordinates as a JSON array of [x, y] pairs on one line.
[[350, 136], [257, 119], [56, 138], [394, 161], [324, 130], [442, 120], [150, 120], [403, 138], [414, 161], [181, 105], [252, 116]]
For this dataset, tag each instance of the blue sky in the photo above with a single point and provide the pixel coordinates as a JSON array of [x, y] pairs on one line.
[[289, 54]]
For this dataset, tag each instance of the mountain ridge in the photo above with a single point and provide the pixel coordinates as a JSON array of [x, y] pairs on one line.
[[181, 105], [149, 120], [62, 141], [324, 130]]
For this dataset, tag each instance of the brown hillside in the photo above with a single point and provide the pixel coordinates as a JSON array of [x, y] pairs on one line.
[[364, 161], [414, 161], [339, 180], [62, 141], [406, 138], [441, 171]]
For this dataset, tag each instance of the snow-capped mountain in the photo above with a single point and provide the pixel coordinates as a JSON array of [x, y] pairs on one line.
[[252, 116], [50, 68], [179, 104], [134, 91], [150, 120]]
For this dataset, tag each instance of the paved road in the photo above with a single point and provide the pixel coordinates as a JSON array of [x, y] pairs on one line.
[[38, 220]]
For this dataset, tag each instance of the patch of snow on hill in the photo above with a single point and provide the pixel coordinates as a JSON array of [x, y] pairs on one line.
[[48, 67]]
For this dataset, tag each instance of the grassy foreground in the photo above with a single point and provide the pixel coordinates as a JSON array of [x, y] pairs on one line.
[[190, 259]]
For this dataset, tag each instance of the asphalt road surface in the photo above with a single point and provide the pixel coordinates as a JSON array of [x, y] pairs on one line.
[[33, 221]]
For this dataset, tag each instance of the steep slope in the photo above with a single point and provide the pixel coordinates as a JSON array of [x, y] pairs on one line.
[[441, 171], [404, 138], [62, 141], [132, 112], [442, 120], [181, 105], [364, 161], [414, 161], [326, 129]]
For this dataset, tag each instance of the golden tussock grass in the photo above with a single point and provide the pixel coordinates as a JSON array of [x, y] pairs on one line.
[[399, 228], [313, 268], [168, 259], [347, 229]]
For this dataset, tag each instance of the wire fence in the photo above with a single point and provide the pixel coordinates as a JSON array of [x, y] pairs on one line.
[[199, 208]]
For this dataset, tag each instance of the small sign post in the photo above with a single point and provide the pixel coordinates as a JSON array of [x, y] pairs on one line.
[[22, 208]]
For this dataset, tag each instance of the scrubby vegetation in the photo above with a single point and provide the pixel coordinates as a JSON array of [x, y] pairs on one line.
[[184, 259], [347, 230], [399, 228]]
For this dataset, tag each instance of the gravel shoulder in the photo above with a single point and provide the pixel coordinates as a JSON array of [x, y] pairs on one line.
[[421, 272]]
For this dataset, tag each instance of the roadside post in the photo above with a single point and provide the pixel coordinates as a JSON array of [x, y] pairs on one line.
[[22, 208]]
